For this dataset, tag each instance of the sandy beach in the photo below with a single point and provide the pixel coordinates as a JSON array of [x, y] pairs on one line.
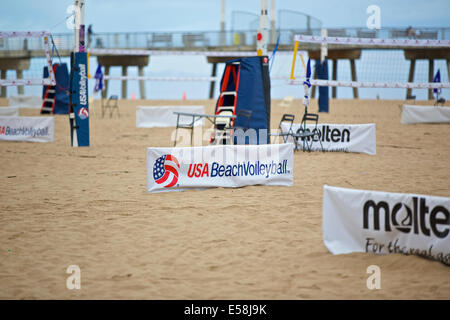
[[89, 207]]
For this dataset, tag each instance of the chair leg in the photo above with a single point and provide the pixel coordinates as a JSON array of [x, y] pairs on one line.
[[176, 131], [309, 145], [298, 144], [317, 135], [321, 145]]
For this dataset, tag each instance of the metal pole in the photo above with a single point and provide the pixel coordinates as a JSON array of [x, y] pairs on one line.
[[76, 20], [78, 47], [323, 47], [79, 26], [263, 31], [81, 38]]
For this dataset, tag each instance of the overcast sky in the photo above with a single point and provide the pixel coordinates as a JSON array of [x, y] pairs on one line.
[[197, 15]]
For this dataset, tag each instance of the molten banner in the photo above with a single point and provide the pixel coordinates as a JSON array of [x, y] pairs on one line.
[[177, 169], [382, 223], [341, 137]]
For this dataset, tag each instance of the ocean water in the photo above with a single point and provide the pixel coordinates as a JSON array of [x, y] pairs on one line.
[[374, 65]]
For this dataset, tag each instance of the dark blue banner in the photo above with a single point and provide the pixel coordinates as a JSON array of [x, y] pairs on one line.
[[80, 99]]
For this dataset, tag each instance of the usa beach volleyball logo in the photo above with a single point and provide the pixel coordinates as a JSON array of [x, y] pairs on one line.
[[83, 113], [165, 170]]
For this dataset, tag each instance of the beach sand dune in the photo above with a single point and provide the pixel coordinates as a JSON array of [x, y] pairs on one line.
[[89, 207]]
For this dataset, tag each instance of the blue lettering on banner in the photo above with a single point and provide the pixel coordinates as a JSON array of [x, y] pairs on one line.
[[24, 131], [247, 169]]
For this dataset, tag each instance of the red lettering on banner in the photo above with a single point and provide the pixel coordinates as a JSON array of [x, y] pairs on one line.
[[205, 170], [198, 170], [191, 170]]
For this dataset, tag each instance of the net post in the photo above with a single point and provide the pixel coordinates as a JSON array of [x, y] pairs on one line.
[[49, 60], [293, 60], [324, 46]]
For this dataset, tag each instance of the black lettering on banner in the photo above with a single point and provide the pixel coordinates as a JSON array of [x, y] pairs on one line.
[[376, 214], [435, 221], [376, 246], [419, 219]]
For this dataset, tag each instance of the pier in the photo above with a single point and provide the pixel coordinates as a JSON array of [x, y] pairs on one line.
[[16, 55]]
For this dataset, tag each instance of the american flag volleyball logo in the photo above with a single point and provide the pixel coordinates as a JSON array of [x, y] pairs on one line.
[[165, 170]]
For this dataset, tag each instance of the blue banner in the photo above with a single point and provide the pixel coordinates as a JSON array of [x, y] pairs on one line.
[[437, 78], [322, 73], [80, 99]]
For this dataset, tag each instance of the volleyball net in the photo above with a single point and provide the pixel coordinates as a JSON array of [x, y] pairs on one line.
[[374, 62], [16, 48], [168, 53]]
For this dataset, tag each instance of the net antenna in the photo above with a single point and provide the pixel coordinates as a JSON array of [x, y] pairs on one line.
[[17, 44]]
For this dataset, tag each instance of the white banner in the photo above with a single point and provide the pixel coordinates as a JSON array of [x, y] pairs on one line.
[[383, 223], [149, 117], [425, 114], [341, 137], [21, 101], [33, 129], [228, 166], [9, 112]]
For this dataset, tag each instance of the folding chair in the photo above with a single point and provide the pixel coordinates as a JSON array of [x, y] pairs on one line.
[[111, 104], [284, 134], [305, 136], [440, 101], [288, 118]]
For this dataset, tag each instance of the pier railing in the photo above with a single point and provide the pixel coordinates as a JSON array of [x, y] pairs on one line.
[[210, 40]]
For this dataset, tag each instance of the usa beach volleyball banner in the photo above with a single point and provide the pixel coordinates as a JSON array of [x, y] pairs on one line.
[[425, 114], [229, 166], [383, 223], [33, 129], [341, 137]]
